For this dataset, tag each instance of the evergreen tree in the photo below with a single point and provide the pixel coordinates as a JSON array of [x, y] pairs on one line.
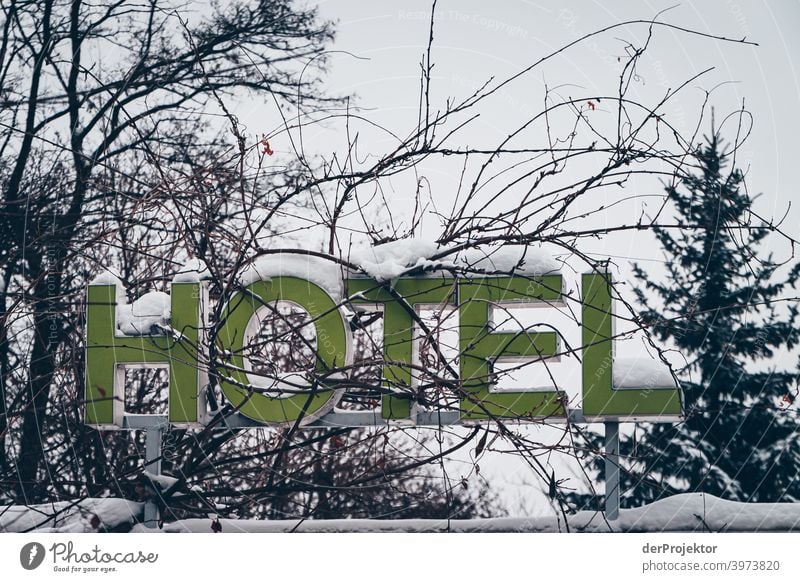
[[720, 307]]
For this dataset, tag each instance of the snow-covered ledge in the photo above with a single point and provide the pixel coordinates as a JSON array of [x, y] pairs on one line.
[[689, 512]]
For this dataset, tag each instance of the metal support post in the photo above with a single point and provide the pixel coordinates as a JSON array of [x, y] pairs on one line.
[[612, 470], [152, 465]]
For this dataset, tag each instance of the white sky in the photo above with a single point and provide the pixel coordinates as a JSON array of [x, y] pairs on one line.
[[475, 40]]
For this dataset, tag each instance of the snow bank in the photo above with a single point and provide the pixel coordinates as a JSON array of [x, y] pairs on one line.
[[523, 260], [83, 516], [391, 260], [703, 512], [138, 318], [323, 272], [641, 372], [688, 512], [193, 271]]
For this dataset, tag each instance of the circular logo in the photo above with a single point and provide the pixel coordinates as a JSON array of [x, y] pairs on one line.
[[31, 555]]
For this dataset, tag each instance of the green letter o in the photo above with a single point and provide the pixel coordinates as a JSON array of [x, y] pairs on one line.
[[329, 324]]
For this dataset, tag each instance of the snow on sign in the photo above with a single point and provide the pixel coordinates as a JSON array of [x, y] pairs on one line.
[[171, 332]]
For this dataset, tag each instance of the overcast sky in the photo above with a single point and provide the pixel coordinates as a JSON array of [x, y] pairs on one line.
[[477, 39]]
